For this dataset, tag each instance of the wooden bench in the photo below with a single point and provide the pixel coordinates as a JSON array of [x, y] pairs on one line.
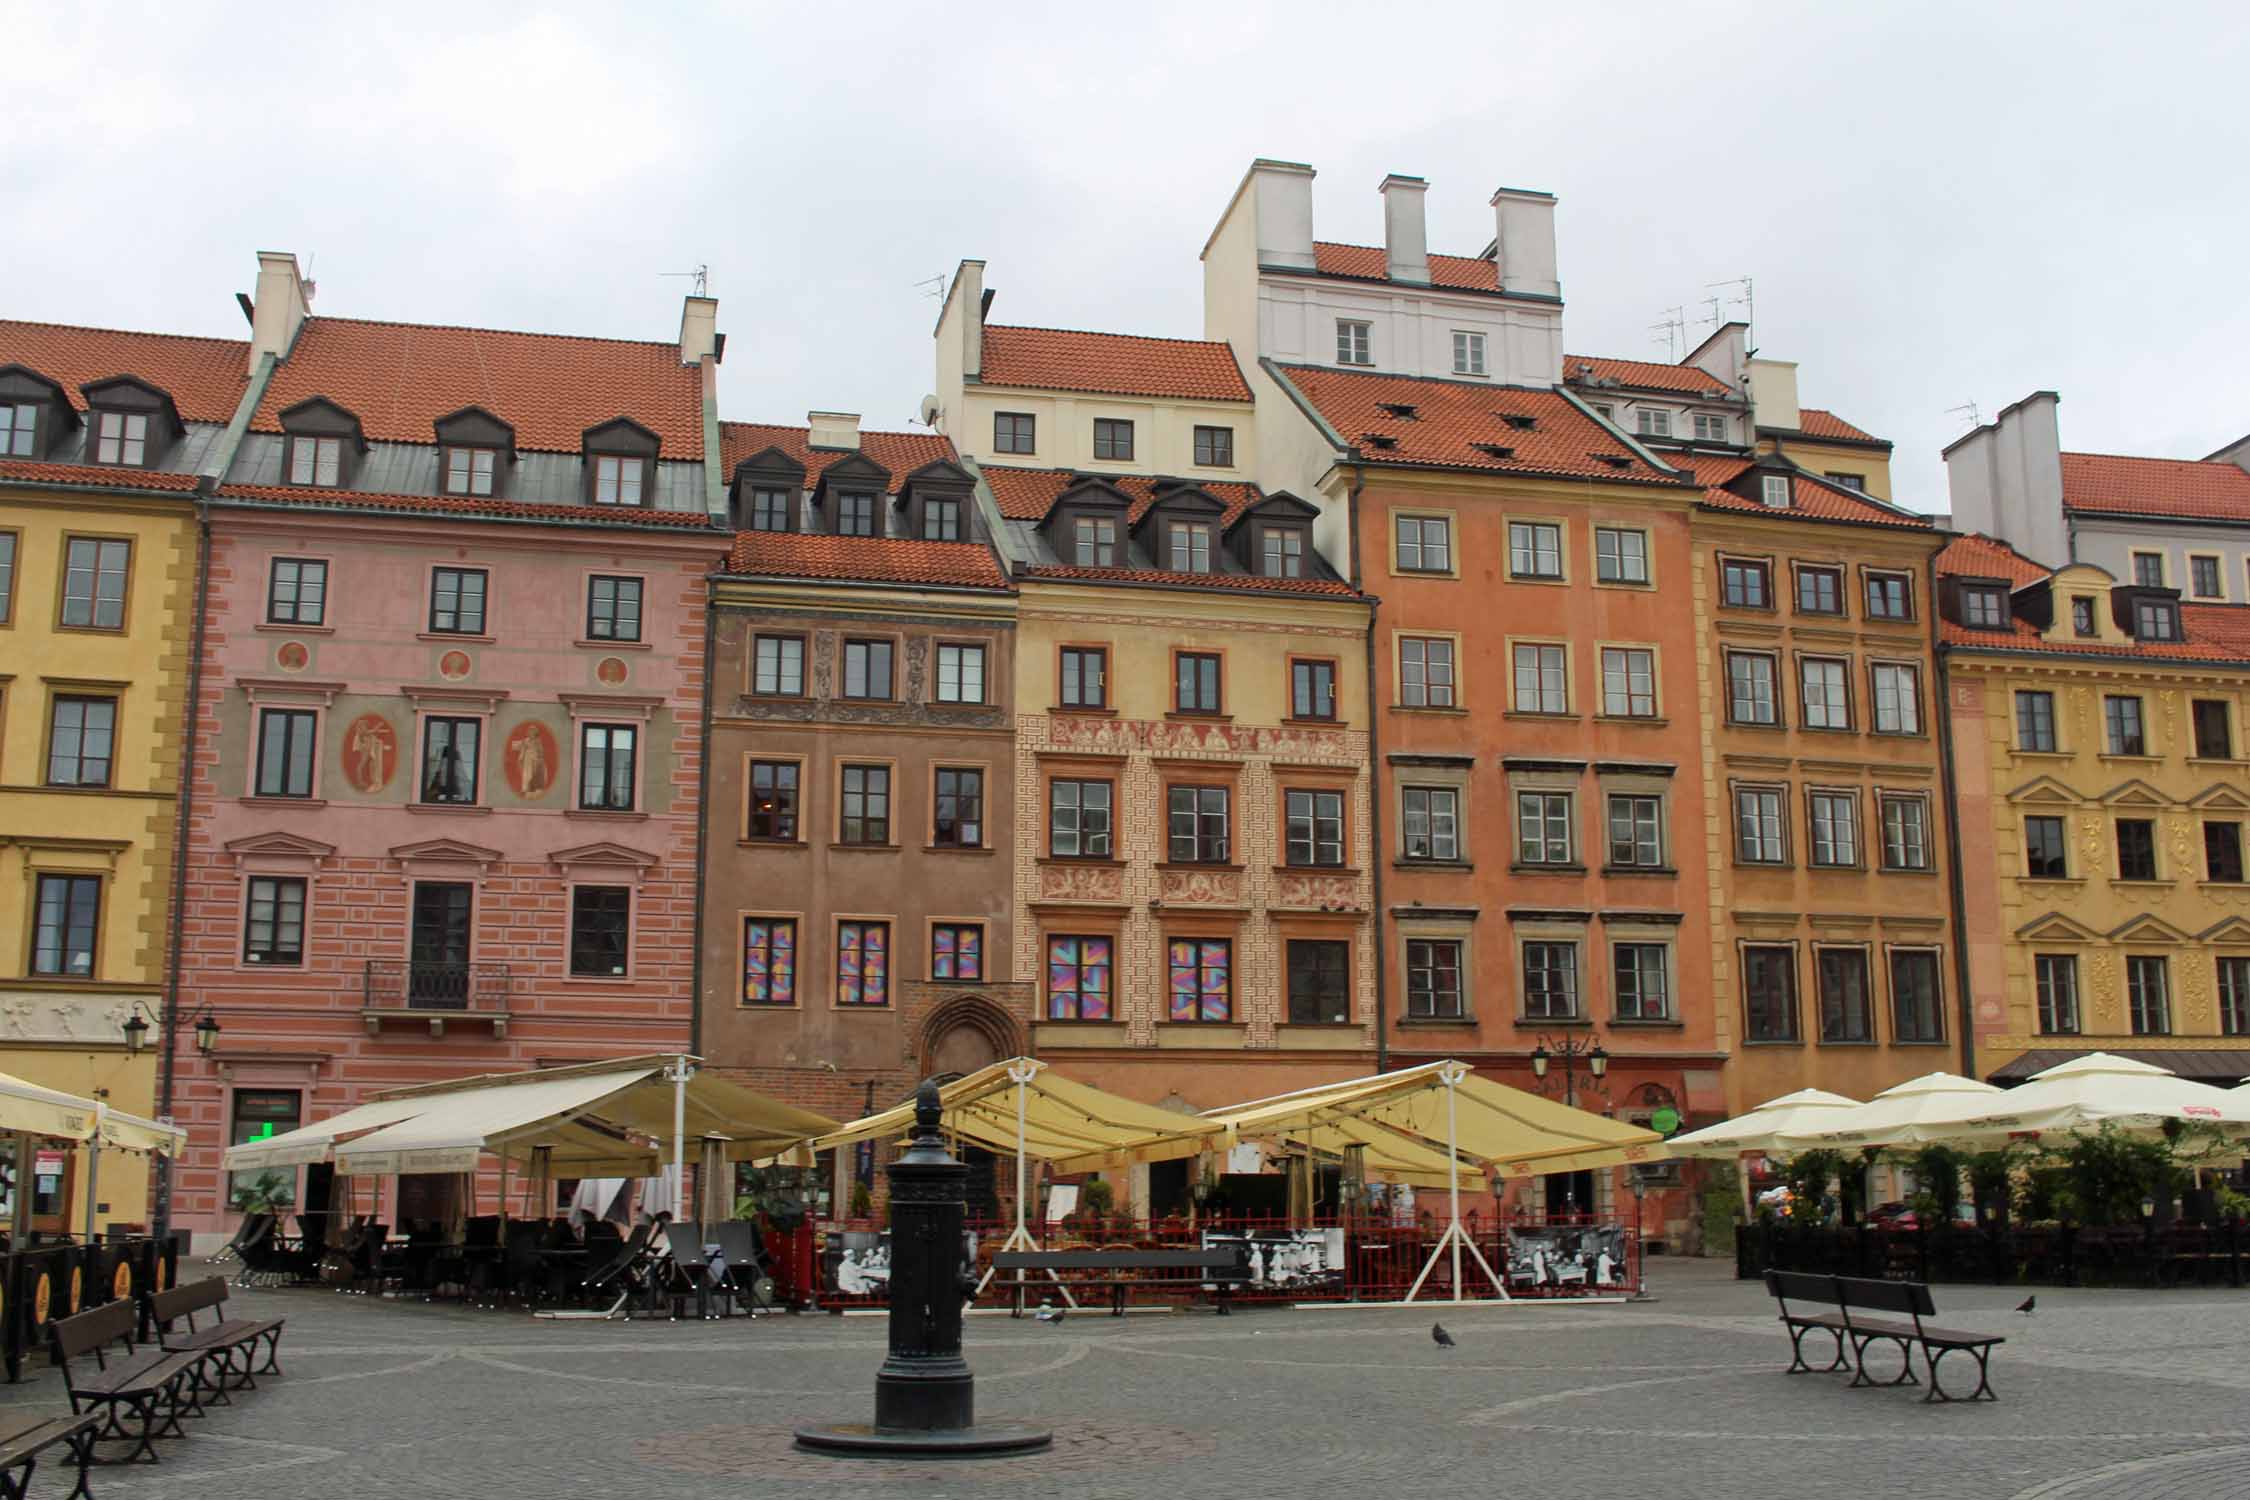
[[1123, 1270], [23, 1439], [144, 1386], [231, 1341], [1855, 1299]]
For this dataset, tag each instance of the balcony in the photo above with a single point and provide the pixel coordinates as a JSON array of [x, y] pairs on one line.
[[434, 994]]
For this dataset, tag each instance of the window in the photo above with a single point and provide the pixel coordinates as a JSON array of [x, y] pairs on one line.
[[2148, 995], [457, 601], [1824, 693], [1425, 672], [1628, 683], [1620, 556], [1201, 979], [316, 460], [1187, 546], [1320, 986], [1541, 680], [957, 820], [2214, 732], [1845, 1014], [121, 438], [960, 674], [2222, 852], [2234, 997], [440, 932], [1312, 690], [1898, 699], [1986, 609], [1759, 834], [613, 609], [1425, 544], [1094, 541], [957, 951], [1710, 427], [855, 515], [1636, 832], [258, 1115], [2148, 569], [273, 928], [2122, 718], [1195, 683], [1643, 981], [1915, 996], [866, 805], [1078, 978], [1652, 421], [7, 576], [1550, 981], [1430, 819], [601, 919], [773, 800], [1769, 993], [1316, 828], [1751, 694], [779, 667], [863, 963], [1888, 597], [299, 592], [1543, 828], [2045, 848], [81, 740], [617, 480], [70, 909], [1433, 979], [468, 471], [1834, 817], [867, 669], [19, 430], [1746, 585], [2082, 616], [1820, 591], [1198, 825], [1534, 549], [2203, 578], [2035, 722], [770, 510], [449, 759], [1857, 482], [769, 961], [1468, 353], [285, 752], [1281, 552], [1085, 673], [1906, 833], [94, 571], [1015, 432], [1113, 439], [607, 757], [941, 520], [2156, 620], [1214, 447], [1773, 491], [2055, 977], [1352, 342], [2136, 849]]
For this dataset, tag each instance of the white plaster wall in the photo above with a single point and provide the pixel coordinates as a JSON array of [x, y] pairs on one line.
[[1294, 455], [2111, 545], [1411, 329], [1163, 431]]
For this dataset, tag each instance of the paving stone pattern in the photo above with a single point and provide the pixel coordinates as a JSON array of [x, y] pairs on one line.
[[2104, 1395]]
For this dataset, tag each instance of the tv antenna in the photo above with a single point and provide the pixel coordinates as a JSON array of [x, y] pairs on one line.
[[701, 276], [1976, 417], [1670, 331], [932, 286], [1744, 300]]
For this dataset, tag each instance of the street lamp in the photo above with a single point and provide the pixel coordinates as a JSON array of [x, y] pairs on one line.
[[206, 1032], [1594, 1056], [136, 1031]]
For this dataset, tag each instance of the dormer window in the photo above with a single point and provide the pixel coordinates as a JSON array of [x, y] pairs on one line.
[[1710, 428], [19, 429], [316, 460], [772, 510], [1774, 490], [2156, 620], [2082, 616], [1187, 546], [1281, 552], [1094, 541], [941, 520], [121, 437], [1653, 421], [468, 471], [618, 479], [855, 515], [1984, 608]]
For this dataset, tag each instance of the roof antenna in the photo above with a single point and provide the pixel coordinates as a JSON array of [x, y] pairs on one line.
[[1976, 417], [1671, 331], [932, 286], [1746, 301], [701, 276]]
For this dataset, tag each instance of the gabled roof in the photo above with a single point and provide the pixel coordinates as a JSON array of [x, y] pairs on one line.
[[1028, 494], [2205, 489], [204, 377], [1976, 555], [859, 559], [401, 377], [1456, 273], [901, 453], [1644, 374], [1113, 364], [1814, 422], [468, 507], [1810, 498]]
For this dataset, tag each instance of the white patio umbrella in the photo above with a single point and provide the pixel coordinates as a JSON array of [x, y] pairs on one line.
[[1903, 1113], [1764, 1128], [2088, 1092]]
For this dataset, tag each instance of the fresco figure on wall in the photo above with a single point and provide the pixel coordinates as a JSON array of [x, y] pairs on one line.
[[370, 753], [531, 759]]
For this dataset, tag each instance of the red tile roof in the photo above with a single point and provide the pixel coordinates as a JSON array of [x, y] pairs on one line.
[[1028, 494], [399, 378], [204, 377], [1808, 497], [1646, 374], [1245, 582], [2215, 632], [1459, 273], [1113, 364], [1976, 555], [899, 452], [2207, 489], [1815, 422], [92, 476], [1450, 417], [865, 559], [469, 506]]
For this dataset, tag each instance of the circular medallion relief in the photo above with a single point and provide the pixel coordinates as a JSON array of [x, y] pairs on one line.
[[453, 666], [610, 672], [291, 656]]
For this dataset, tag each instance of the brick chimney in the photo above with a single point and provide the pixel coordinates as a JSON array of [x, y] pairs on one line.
[[1406, 234], [280, 306]]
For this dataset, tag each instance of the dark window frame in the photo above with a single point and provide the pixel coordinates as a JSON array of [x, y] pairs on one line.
[[1819, 573], [964, 799], [868, 646], [276, 952], [757, 665], [1206, 807], [2136, 852], [469, 470], [2046, 847], [1072, 664], [780, 960], [453, 724], [98, 601], [1199, 683], [600, 629], [2035, 721], [1435, 987], [1845, 1019], [780, 822], [1214, 447], [1078, 808], [1746, 583], [1778, 1016], [1429, 814], [294, 722], [865, 930], [1113, 440], [1015, 432], [1317, 978], [1312, 689], [1323, 808], [80, 760], [2054, 984], [1887, 595], [298, 612], [872, 795], [619, 741], [77, 889], [955, 967], [593, 939], [460, 614]]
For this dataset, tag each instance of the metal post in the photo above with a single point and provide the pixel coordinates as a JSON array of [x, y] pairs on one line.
[[1452, 1077], [1021, 1075], [94, 1166], [680, 1074]]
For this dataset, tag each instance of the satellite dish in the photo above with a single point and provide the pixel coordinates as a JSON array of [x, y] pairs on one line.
[[931, 411]]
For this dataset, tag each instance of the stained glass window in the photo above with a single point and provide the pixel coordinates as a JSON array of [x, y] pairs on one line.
[[1202, 979], [769, 962], [1078, 970], [956, 951], [863, 963]]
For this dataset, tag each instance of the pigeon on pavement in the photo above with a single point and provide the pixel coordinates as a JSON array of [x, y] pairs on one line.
[[2025, 1307], [1440, 1337], [1051, 1314]]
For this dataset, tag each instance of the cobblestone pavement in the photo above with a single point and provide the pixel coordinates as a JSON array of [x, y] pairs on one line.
[[2104, 1395]]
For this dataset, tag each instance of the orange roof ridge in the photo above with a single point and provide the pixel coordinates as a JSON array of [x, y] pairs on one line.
[[865, 432], [134, 333], [1103, 333], [516, 333]]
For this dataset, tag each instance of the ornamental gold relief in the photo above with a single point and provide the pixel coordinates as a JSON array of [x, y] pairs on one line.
[[2196, 991], [2093, 835], [2105, 1006]]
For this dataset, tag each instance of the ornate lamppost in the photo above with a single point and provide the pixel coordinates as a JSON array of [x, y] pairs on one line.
[[1572, 1053]]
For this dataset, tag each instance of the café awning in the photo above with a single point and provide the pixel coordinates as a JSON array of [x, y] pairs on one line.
[[1912, 1112], [1074, 1125], [315, 1142], [38, 1110], [2098, 1089], [1764, 1128]]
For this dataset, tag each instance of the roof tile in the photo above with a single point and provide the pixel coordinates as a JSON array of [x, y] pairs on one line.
[[899, 452], [469, 506], [1244, 582], [1456, 273], [94, 476], [1808, 497], [1975, 555], [2215, 632], [1648, 374], [1814, 422], [1115, 364], [204, 377], [1028, 494], [2207, 489], [865, 559]]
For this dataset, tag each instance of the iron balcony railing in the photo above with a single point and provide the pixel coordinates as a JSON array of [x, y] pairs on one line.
[[414, 984]]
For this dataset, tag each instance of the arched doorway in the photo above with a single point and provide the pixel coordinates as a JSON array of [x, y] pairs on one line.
[[961, 1035]]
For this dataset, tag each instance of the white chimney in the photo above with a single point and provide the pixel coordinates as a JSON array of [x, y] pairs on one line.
[[2005, 480], [1284, 201], [833, 429], [699, 329], [1773, 394], [280, 307], [1406, 233], [968, 289], [1524, 235]]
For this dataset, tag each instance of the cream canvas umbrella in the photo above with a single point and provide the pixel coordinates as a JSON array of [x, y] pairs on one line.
[[1764, 1128], [2098, 1089], [1919, 1110]]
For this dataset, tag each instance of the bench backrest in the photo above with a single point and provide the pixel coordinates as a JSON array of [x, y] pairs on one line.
[[1803, 1286], [1911, 1297], [188, 1300], [93, 1331]]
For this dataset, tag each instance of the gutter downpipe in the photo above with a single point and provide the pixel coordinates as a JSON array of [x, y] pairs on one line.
[[1374, 790], [1965, 1005], [702, 815]]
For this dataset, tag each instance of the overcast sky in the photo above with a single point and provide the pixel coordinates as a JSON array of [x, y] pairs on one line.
[[1939, 203]]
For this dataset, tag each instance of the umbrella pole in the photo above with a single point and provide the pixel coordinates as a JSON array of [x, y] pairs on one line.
[[680, 1075], [1021, 1072], [1453, 1239], [93, 1166]]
